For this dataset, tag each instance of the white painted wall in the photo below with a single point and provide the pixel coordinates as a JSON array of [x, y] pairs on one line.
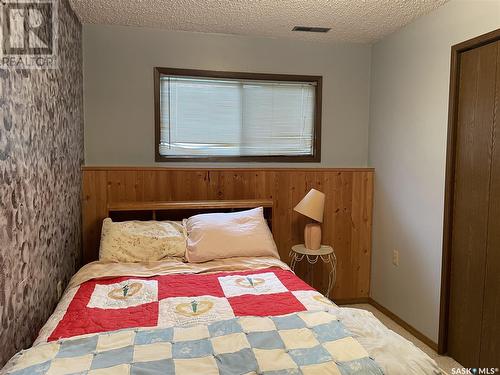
[[118, 89], [407, 147]]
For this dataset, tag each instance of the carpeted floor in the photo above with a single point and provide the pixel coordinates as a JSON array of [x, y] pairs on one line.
[[445, 363]]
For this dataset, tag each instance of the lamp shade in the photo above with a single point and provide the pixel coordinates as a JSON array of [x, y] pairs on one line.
[[312, 205]]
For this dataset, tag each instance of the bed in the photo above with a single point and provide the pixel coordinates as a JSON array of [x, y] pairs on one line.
[[235, 315]]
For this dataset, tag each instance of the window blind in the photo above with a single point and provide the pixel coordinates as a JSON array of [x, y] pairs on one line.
[[232, 117]]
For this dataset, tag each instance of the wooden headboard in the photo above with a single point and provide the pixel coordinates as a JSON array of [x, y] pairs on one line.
[[178, 210], [118, 191]]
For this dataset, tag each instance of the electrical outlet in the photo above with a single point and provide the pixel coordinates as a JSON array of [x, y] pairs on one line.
[[395, 257]]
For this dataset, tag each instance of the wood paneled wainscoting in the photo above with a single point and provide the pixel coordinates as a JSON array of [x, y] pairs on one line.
[[347, 221]]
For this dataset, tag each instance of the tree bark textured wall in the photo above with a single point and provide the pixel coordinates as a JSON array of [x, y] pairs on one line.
[[41, 151]]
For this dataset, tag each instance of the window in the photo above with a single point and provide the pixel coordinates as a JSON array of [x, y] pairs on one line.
[[227, 116]]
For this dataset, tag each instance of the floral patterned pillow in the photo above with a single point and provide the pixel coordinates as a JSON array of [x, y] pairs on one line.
[[137, 241]]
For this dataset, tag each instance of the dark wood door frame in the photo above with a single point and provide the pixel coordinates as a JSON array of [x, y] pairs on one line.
[[456, 50]]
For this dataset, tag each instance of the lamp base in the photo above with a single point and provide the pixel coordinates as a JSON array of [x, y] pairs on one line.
[[312, 236]]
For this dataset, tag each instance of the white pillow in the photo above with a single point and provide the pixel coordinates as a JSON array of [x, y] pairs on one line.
[[226, 235], [137, 241]]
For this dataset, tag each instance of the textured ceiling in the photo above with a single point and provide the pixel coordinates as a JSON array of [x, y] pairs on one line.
[[361, 21]]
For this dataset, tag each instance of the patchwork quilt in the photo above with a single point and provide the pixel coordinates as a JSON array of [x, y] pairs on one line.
[[227, 316], [185, 299], [298, 343]]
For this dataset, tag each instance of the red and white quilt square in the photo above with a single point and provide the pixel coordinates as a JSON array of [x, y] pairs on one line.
[[260, 283], [291, 281], [313, 300], [265, 304], [193, 310], [124, 294], [191, 285], [80, 320]]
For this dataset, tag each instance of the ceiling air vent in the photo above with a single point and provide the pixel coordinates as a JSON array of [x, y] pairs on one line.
[[310, 29]]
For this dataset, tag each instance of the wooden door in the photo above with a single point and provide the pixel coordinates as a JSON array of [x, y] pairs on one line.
[[471, 201], [490, 336]]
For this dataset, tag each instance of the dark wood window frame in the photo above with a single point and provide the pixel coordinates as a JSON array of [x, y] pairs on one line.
[[318, 80]]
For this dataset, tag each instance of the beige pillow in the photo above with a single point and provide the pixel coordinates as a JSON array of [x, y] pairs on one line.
[[226, 235], [136, 241]]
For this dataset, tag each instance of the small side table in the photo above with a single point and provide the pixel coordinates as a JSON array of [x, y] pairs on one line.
[[325, 253]]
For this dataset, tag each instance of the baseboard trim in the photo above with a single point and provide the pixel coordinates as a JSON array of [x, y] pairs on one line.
[[419, 335], [351, 301], [384, 310]]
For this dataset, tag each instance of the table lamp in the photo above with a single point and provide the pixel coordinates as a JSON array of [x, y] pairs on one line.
[[312, 206]]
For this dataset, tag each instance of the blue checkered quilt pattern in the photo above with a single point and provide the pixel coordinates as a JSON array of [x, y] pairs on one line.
[[312, 342]]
